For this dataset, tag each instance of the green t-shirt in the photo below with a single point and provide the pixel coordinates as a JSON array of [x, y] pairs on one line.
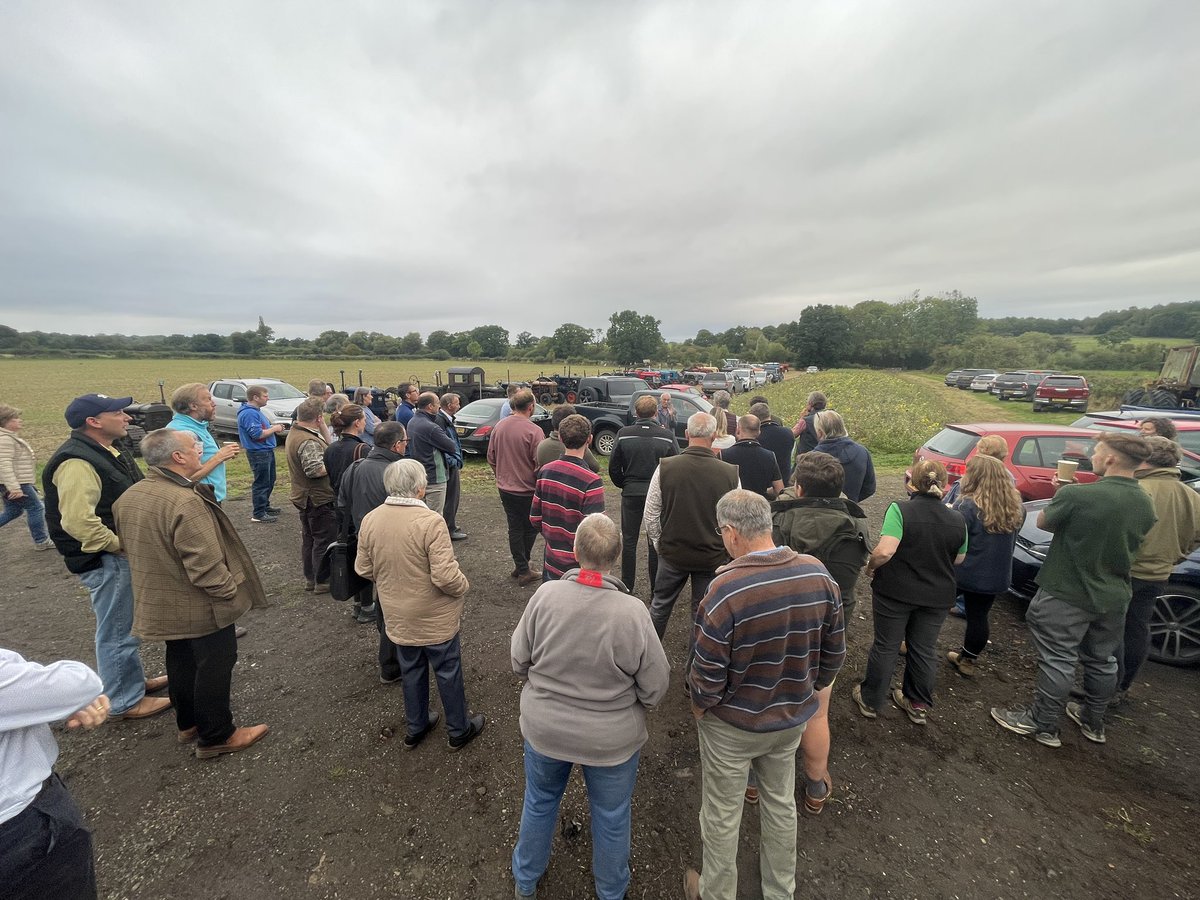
[[1097, 528], [893, 526]]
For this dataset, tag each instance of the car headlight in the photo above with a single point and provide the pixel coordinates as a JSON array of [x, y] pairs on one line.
[[1038, 551]]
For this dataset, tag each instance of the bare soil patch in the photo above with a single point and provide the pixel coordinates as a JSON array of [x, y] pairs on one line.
[[329, 807]]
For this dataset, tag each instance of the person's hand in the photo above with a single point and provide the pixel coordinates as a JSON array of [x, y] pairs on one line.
[[16, 494], [91, 715], [227, 452]]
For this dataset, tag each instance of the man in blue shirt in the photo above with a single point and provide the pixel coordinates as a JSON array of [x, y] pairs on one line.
[[194, 409], [408, 398], [256, 434]]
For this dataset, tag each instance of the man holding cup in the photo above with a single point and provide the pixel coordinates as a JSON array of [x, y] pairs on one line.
[[194, 409], [1078, 612]]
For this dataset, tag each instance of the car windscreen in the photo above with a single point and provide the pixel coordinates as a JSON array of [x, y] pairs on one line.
[[1056, 381], [281, 390], [952, 442]]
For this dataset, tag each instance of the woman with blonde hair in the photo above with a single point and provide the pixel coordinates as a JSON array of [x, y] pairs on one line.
[[722, 439], [913, 589], [992, 509], [17, 473]]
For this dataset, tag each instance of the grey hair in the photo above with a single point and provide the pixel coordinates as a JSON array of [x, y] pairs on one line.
[[336, 402], [830, 423], [721, 399], [405, 478], [747, 513], [598, 543], [701, 425], [817, 400], [8, 413], [186, 396], [157, 446], [1164, 452]]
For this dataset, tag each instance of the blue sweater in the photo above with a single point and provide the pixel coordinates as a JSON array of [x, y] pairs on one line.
[[856, 460]]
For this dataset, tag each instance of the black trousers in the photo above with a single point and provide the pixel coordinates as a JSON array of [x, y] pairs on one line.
[[978, 630], [521, 535], [318, 529], [1135, 645], [199, 674], [389, 658], [896, 621], [632, 511], [453, 491], [46, 850]]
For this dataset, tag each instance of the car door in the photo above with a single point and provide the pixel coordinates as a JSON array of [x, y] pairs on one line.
[[1034, 463], [225, 415]]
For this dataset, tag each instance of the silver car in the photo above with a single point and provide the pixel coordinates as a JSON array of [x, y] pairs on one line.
[[230, 393]]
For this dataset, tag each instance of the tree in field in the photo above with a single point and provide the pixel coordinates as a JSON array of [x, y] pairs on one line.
[[264, 331], [207, 343], [439, 340], [570, 340], [525, 340], [1114, 337], [410, 344], [820, 337], [492, 339], [632, 338]]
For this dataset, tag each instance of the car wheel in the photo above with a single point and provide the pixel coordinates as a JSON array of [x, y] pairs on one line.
[[1037, 408], [588, 395], [1175, 626], [605, 442], [1002, 397]]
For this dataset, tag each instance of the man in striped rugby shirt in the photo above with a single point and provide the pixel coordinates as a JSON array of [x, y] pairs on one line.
[[769, 635], [567, 491]]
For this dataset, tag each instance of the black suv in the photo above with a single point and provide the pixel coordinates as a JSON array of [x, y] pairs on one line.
[[966, 376], [1019, 385]]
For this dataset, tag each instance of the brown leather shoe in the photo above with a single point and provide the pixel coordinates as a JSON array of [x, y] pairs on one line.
[[146, 707], [531, 577], [239, 740], [156, 684], [188, 735], [320, 588], [691, 885]]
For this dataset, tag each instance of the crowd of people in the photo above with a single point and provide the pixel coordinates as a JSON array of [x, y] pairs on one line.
[[768, 531]]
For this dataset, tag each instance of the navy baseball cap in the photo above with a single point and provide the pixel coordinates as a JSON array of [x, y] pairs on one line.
[[92, 405]]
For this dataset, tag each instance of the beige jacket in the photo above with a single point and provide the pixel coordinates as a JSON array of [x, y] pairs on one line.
[[191, 573], [16, 461], [406, 550]]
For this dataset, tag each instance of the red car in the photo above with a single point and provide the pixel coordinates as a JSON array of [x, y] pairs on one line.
[[1066, 391], [1033, 452], [1188, 427], [685, 388]]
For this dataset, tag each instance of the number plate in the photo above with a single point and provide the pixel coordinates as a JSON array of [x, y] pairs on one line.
[[461, 429]]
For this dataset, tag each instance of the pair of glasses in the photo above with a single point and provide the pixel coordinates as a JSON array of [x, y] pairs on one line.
[[720, 529]]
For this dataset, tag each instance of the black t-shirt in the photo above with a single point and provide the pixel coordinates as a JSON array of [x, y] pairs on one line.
[[757, 468]]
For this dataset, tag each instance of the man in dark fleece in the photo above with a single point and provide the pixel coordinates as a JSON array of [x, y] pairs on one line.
[[854, 457]]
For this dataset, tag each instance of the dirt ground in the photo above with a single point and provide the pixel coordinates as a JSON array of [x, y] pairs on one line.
[[327, 806]]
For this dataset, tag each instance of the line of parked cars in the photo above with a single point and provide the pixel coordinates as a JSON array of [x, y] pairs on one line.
[[1047, 389]]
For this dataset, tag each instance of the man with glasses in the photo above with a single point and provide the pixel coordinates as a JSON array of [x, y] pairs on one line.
[[409, 393]]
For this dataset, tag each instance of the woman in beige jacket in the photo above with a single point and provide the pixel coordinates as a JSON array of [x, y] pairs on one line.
[[17, 473], [404, 547]]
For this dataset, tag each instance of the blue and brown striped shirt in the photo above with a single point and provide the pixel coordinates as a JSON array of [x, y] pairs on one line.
[[769, 634]]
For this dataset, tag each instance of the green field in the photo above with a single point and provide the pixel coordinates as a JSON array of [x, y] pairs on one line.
[[890, 412], [1091, 342]]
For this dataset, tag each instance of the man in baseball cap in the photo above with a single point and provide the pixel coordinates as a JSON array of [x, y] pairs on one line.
[[82, 480]]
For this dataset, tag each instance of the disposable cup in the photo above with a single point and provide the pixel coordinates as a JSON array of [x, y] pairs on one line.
[[1066, 469]]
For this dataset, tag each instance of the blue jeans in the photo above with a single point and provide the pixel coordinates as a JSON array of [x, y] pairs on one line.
[[610, 796], [262, 464], [117, 660], [446, 661], [31, 504]]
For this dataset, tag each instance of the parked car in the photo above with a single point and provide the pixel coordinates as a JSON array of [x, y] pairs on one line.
[[230, 393], [609, 388], [683, 388], [966, 376], [952, 378], [743, 380], [812, 370], [475, 421], [1069, 391], [717, 381], [983, 383], [1175, 621], [1018, 385], [1033, 452], [609, 418]]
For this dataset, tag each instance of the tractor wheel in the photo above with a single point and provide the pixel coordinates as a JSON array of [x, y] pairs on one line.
[[1136, 397], [570, 396], [133, 439], [545, 399], [1161, 398]]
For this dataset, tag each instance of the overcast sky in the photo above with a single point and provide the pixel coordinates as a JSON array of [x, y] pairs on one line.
[[187, 166]]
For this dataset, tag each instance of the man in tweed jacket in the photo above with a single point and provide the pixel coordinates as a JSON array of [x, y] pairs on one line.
[[192, 579]]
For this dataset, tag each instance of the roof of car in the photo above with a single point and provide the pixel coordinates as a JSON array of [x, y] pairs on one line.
[[1019, 428]]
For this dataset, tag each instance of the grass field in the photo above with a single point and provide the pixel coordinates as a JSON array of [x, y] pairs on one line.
[[1091, 342], [892, 413]]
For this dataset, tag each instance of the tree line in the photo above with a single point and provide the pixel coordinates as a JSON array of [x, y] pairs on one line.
[[918, 332]]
